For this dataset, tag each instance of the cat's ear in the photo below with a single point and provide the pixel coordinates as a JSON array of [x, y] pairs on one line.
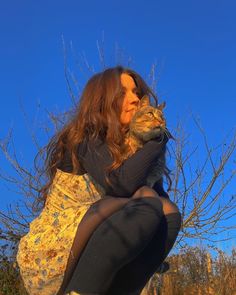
[[144, 101], [161, 106]]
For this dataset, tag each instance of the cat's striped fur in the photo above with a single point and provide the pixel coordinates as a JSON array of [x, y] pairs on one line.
[[148, 123]]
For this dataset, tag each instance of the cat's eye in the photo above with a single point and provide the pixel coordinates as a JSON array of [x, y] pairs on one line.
[[150, 114]]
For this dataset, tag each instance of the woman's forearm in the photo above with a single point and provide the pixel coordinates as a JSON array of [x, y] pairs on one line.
[[128, 177]]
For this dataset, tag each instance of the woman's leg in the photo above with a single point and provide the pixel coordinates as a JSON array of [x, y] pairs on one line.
[[146, 191], [135, 275], [117, 240], [95, 215]]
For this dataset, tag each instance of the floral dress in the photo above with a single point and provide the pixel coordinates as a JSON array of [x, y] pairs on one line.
[[44, 251]]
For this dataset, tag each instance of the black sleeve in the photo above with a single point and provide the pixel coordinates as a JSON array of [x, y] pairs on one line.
[[158, 187], [128, 177]]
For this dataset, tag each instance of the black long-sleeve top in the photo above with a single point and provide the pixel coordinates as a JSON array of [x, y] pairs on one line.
[[128, 177]]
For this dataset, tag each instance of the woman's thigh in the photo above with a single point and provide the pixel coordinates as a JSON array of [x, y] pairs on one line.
[[95, 215], [98, 212], [115, 242]]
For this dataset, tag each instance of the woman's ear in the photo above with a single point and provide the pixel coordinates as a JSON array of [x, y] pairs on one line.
[[144, 101]]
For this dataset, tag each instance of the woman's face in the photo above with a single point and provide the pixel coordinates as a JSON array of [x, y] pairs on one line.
[[131, 100]]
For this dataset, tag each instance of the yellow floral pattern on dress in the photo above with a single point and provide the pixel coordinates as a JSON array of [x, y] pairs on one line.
[[43, 252]]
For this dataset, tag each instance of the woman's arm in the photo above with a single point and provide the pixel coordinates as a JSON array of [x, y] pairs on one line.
[[158, 187], [128, 177]]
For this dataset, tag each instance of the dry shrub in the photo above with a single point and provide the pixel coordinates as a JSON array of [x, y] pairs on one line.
[[195, 271], [10, 281]]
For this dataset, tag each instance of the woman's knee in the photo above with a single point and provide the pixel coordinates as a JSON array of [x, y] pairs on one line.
[[144, 192], [148, 198], [168, 206], [147, 192]]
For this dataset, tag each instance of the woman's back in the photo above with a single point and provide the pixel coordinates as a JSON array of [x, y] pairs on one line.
[[43, 253]]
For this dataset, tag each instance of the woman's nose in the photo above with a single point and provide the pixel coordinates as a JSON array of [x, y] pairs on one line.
[[134, 99]]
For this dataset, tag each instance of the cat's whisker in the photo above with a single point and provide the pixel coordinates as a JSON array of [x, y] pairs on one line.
[[167, 132]]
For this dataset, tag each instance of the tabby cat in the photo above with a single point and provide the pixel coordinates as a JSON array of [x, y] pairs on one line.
[[148, 123]]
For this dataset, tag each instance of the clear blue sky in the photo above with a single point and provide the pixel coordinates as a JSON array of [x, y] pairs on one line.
[[192, 42]]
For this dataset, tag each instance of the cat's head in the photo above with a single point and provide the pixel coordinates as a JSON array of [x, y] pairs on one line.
[[148, 122]]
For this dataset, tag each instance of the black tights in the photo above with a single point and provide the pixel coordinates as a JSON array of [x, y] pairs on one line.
[[126, 240]]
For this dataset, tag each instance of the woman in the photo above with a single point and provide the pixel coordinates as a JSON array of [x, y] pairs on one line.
[[114, 244]]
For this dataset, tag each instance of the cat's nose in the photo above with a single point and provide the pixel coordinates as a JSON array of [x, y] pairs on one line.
[[159, 122]]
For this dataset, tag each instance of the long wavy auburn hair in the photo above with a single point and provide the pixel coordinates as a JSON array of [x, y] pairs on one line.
[[97, 115]]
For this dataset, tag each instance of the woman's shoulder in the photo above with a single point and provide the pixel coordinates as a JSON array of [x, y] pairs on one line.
[[89, 145]]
